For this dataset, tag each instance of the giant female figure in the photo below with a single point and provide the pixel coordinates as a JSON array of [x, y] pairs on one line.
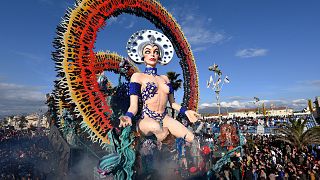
[[152, 47]]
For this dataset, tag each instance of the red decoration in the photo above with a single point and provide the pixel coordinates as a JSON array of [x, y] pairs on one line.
[[193, 170], [206, 150]]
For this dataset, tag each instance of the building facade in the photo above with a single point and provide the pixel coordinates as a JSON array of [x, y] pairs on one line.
[[254, 113]]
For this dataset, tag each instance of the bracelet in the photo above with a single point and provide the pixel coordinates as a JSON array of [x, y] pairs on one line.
[[134, 88], [170, 88], [183, 110], [129, 114]]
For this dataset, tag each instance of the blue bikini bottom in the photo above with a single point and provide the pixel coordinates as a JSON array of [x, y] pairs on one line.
[[154, 115]]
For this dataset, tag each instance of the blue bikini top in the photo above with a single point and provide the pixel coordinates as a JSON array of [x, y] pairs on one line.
[[151, 88]]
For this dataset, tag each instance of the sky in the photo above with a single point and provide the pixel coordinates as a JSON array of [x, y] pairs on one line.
[[268, 49]]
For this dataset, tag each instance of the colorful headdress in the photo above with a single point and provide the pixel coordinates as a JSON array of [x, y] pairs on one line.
[[140, 39]]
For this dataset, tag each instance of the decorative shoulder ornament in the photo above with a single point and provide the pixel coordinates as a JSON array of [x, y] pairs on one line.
[[140, 39]]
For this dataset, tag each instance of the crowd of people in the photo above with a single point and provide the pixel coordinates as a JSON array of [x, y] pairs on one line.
[[262, 157], [265, 158], [25, 154]]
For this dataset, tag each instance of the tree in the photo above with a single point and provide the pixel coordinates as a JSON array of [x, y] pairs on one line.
[[4, 122], [22, 122], [295, 135], [175, 82]]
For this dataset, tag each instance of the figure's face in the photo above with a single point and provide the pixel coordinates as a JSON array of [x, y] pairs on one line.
[[151, 55]]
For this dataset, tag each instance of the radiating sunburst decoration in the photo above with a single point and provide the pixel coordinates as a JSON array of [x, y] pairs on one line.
[[77, 64]]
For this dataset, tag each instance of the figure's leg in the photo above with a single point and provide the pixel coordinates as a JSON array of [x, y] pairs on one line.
[[177, 129], [149, 126]]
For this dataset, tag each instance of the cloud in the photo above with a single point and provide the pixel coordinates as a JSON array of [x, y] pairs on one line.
[[251, 52], [17, 99], [35, 65], [296, 104], [199, 49], [199, 35], [299, 101], [304, 87], [312, 83], [30, 56], [112, 20], [198, 29], [126, 21], [233, 104], [204, 105]]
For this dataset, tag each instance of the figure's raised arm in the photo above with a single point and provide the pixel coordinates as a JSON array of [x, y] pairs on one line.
[[134, 91]]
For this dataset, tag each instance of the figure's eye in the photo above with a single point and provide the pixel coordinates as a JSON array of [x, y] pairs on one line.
[[147, 52], [156, 52]]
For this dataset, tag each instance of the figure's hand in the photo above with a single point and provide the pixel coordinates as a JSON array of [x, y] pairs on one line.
[[192, 116], [125, 121]]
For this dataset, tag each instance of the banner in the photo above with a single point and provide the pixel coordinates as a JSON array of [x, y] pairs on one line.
[[310, 105]]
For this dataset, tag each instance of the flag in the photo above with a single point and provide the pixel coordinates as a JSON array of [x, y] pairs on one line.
[[217, 83], [226, 79], [211, 80]]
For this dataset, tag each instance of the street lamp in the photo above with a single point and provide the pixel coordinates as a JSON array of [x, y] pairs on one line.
[[216, 84]]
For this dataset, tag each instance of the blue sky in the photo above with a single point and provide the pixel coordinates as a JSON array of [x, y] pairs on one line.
[[269, 49]]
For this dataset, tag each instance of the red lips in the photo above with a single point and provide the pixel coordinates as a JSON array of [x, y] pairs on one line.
[[152, 59]]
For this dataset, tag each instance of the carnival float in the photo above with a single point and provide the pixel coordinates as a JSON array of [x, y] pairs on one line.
[[84, 102]]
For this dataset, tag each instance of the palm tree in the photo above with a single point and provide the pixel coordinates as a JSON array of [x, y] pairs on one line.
[[295, 135], [175, 82]]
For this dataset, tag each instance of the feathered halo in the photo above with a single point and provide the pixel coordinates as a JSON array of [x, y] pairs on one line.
[[140, 39]]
